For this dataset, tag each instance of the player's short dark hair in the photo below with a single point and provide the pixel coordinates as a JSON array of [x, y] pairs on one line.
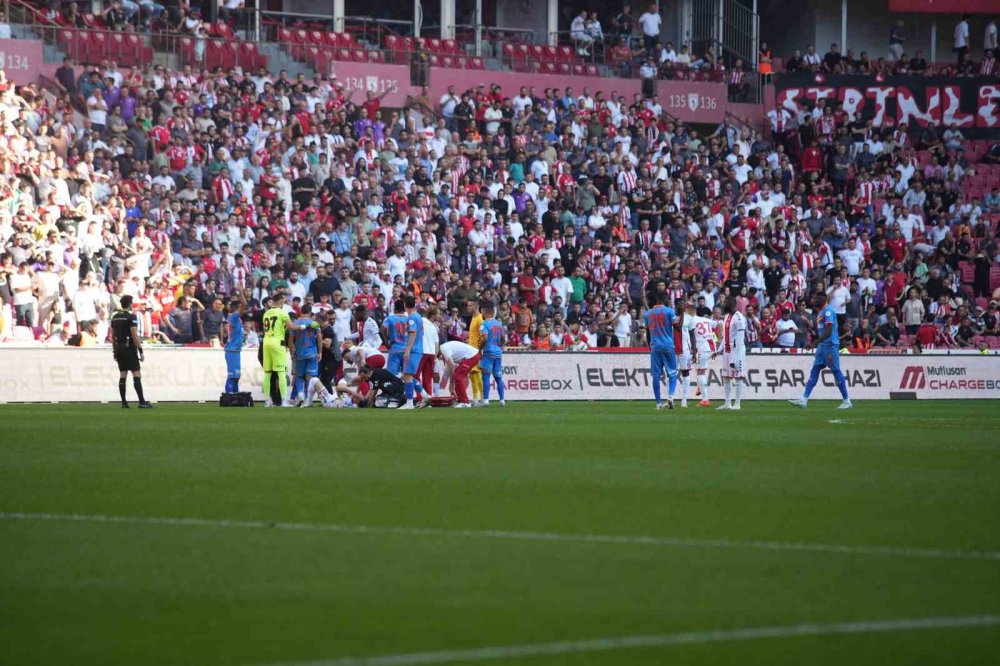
[[235, 304], [306, 309], [410, 300], [398, 305], [277, 296], [126, 302], [365, 370], [487, 308]]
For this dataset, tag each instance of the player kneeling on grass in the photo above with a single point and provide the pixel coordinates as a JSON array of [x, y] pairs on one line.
[[363, 355], [827, 356], [459, 360], [386, 390]]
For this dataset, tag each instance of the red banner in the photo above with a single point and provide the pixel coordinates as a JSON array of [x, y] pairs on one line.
[[21, 60], [970, 103], [944, 6]]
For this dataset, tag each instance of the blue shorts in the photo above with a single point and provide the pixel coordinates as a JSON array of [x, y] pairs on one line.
[[827, 357], [394, 363], [413, 365], [660, 361], [491, 366], [233, 364], [305, 367]]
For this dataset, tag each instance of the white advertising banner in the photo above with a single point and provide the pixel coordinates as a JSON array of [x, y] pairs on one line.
[[38, 374], [90, 374], [626, 376]]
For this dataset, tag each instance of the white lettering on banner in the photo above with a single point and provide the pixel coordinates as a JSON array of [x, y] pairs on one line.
[[692, 101], [374, 84], [626, 376], [91, 375], [14, 61], [34, 374]]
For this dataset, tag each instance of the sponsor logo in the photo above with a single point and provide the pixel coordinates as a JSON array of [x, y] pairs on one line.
[[913, 378], [693, 101]]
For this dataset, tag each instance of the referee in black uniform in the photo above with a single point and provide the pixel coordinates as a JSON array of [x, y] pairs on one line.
[[128, 350]]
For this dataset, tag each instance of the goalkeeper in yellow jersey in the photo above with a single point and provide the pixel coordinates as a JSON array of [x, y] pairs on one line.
[[276, 323], [475, 338]]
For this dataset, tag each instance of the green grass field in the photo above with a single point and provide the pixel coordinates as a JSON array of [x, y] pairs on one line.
[[546, 532]]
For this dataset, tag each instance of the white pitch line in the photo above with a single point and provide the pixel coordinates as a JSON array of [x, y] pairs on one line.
[[637, 540], [661, 640]]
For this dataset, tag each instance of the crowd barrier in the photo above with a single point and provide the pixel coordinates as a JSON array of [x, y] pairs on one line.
[[34, 374]]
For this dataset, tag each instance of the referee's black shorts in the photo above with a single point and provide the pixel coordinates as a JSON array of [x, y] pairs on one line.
[[128, 361]]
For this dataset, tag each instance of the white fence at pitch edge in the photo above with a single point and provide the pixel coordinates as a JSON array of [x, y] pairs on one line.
[[35, 374]]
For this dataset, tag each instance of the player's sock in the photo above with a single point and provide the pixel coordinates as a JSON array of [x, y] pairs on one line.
[[121, 389], [703, 385], [408, 390], [267, 385], [739, 391], [137, 383], [671, 385], [656, 389], [229, 385], [500, 388], [282, 386], [418, 388], [236, 384], [486, 389], [685, 382], [727, 387], [296, 388], [841, 383]]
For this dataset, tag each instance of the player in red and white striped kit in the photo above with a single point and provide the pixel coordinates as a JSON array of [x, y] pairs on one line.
[[698, 334], [734, 353]]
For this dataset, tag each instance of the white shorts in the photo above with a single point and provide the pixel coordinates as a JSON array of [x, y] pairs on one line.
[[732, 365], [684, 362], [704, 358]]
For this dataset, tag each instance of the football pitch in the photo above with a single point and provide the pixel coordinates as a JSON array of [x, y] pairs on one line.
[[556, 533]]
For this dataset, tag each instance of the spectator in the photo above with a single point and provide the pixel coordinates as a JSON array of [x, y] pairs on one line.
[[896, 40], [888, 333], [578, 33], [650, 23], [961, 38]]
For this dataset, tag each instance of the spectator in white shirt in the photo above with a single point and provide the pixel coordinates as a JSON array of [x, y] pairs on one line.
[[650, 23], [786, 329], [962, 37]]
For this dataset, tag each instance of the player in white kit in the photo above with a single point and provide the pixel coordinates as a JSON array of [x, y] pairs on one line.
[[734, 353], [363, 355], [699, 335]]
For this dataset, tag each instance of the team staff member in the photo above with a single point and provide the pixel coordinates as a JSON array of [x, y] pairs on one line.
[[127, 349], [459, 360], [234, 344], [385, 389], [276, 324], [329, 359]]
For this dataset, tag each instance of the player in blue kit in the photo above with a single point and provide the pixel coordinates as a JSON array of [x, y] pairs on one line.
[[491, 363], [662, 356], [234, 344], [827, 354], [397, 327], [306, 344], [413, 353]]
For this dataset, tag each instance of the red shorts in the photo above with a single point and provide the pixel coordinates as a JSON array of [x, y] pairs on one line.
[[375, 361]]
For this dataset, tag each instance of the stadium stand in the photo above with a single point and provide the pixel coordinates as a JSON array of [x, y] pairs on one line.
[[189, 187]]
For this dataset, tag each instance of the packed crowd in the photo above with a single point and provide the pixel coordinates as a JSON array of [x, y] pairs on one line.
[[567, 210]]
